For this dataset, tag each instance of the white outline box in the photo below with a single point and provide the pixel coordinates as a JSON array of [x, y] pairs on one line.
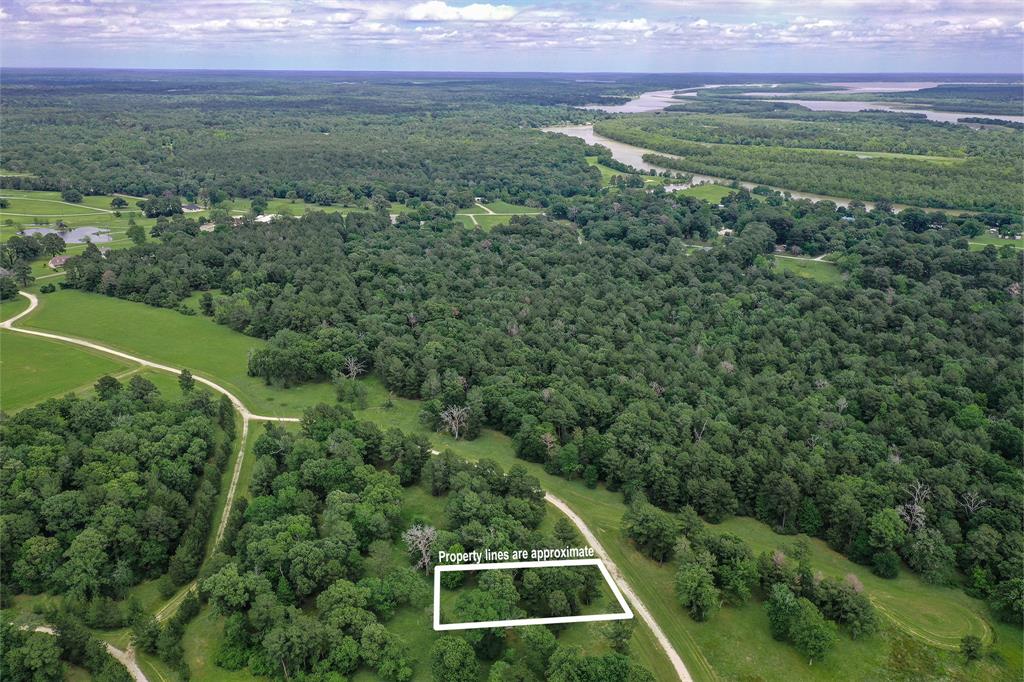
[[626, 614]]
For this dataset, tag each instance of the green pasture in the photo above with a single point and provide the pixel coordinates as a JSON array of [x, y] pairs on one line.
[[820, 270], [710, 193], [166, 336], [987, 238], [33, 369]]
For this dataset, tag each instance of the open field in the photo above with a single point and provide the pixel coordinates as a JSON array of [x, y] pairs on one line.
[[984, 240], [820, 270], [34, 369], [608, 173], [709, 649], [708, 192], [167, 336]]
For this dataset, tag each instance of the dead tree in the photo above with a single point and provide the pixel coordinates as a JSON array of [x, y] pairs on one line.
[[421, 539], [971, 502], [454, 418], [353, 367], [913, 512]]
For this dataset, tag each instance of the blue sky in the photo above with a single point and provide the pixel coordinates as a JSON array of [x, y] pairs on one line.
[[543, 35]]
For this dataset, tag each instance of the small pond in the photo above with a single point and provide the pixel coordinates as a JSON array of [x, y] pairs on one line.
[[77, 235]]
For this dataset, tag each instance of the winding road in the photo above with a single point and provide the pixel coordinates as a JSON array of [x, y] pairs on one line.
[[128, 657]]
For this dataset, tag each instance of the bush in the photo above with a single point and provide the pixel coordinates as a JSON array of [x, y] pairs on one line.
[[47, 289], [886, 564], [72, 196]]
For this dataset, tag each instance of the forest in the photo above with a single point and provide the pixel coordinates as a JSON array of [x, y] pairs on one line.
[[977, 169], [708, 381], [730, 421]]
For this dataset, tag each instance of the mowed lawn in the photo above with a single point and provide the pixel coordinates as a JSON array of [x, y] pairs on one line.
[[168, 337], [34, 369]]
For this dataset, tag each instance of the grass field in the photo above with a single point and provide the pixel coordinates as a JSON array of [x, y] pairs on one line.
[[608, 173], [981, 241], [820, 270], [710, 650], [34, 369], [166, 336], [708, 192]]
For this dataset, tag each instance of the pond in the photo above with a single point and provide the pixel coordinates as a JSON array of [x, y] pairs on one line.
[[77, 235]]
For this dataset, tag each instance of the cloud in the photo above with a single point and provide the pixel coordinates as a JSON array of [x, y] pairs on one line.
[[436, 10], [800, 29]]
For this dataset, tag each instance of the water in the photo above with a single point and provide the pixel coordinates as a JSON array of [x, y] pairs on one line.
[[78, 235], [658, 100], [943, 116], [633, 156]]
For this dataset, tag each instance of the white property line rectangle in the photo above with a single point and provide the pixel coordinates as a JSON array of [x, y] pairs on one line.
[[626, 614]]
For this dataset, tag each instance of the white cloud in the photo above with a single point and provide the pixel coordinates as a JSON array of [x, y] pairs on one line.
[[437, 10]]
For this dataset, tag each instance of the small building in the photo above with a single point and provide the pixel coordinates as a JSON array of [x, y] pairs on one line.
[[191, 208], [207, 227], [847, 218], [266, 218], [725, 232], [780, 248], [57, 262]]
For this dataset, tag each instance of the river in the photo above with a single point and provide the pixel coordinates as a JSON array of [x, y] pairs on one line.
[[633, 156], [657, 100]]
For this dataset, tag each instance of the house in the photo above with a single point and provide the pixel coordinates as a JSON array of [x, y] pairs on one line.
[[57, 262], [725, 232], [266, 218], [191, 208], [780, 248], [207, 227]]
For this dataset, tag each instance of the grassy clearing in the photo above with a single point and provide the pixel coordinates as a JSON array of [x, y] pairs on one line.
[[34, 369], [166, 336], [708, 192], [819, 270], [987, 238], [608, 173]]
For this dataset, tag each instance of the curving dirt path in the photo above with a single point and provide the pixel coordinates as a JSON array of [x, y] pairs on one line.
[[247, 416], [638, 606], [126, 658]]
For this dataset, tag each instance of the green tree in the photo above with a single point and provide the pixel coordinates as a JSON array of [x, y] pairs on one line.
[[451, 658], [186, 381]]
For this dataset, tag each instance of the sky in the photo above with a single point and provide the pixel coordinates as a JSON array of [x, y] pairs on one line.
[[540, 35]]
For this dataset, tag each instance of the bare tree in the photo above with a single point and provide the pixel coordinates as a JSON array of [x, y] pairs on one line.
[[698, 434], [913, 512], [354, 367], [549, 441], [421, 539], [971, 502], [658, 389], [895, 457], [455, 418]]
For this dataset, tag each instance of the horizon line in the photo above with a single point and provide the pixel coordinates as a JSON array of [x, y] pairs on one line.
[[1016, 74]]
